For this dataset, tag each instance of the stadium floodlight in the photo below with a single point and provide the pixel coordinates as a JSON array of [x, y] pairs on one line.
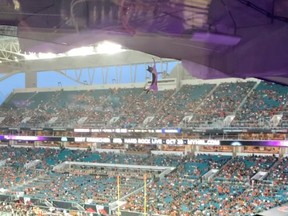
[[47, 55], [35, 56], [107, 47], [81, 51], [30, 56]]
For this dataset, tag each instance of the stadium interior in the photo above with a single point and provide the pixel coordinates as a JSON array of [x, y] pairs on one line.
[[210, 141]]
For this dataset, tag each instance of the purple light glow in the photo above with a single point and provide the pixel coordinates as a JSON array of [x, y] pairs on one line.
[[228, 40], [283, 143], [24, 138], [272, 143]]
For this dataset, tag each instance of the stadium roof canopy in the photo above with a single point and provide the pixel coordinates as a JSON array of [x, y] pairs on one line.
[[229, 38], [66, 62]]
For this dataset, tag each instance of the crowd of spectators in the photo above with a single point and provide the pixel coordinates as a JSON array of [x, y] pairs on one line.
[[179, 196], [181, 104], [163, 197], [94, 189], [265, 101], [255, 199], [223, 101], [134, 114], [244, 168], [183, 191], [279, 173], [221, 197], [204, 104], [17, 208], [284, 120], [20, 208], [193, 167]]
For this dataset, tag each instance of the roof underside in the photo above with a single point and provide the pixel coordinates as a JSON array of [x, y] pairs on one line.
[[247, 38]]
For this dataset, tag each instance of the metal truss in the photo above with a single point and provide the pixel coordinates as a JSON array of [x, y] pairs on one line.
[[268, 14], [112, 75], [10, 50], [77, 75]]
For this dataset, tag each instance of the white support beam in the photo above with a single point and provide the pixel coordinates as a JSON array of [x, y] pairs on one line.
[[128, 57]]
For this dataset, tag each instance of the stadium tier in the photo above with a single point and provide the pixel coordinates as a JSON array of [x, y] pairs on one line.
[[143, 108], [230, 104], [169, 184], [59, 168]]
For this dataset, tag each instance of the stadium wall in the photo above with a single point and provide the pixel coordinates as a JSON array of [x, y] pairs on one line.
[[164, 84], [216, 81]]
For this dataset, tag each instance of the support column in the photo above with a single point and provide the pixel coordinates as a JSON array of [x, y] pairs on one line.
[[64, 144], [95, 146], [37, 143], [189, 149], [12, 142], [195, 149], [283, 151], [30, 79], [236, 150], [180, 75]]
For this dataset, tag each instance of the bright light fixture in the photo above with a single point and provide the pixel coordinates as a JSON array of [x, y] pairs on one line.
[[16, 5], [107, 47], [81, 51], [30, 56], [34, 56], [47, 55]]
